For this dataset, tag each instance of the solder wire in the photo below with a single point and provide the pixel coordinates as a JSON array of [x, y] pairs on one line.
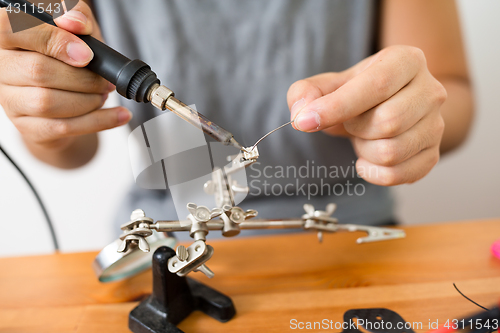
[[274, 130]]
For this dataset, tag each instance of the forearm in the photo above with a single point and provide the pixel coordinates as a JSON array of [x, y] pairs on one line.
[[457, 112], [434, 27], [68, 153]]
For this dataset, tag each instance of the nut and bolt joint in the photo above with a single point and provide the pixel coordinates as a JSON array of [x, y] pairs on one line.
[[160, 95]]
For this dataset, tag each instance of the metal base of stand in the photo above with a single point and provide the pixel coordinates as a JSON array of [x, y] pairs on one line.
[[174, 298]]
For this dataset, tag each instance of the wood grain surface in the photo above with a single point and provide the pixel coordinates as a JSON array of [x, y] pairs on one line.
[[272, 280]]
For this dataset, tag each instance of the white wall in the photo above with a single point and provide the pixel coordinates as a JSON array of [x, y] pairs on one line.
[[82, 203]]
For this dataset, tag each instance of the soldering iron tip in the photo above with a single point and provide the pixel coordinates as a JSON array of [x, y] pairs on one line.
[[235, 143]]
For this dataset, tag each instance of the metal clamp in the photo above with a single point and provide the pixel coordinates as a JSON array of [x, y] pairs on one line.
[[222, 186], [191, 259], [251, 154], [130, 254], [232, 217], [318, 219], [199, 217], [135, 232], [321, 220]]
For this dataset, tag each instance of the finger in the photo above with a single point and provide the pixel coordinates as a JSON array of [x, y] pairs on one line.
[[390, 70], [48, 103], [48, 40], [307, 90], [80, 21], [42, 130], [314, 87], [407, 172], [303, 92], [26, 68], [337, 130], [399, 113], [425, 134], [322, 84]]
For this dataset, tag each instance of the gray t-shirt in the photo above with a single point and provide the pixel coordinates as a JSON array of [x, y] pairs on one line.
[[236, 60]]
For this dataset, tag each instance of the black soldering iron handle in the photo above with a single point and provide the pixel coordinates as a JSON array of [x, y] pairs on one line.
[[133, 78]]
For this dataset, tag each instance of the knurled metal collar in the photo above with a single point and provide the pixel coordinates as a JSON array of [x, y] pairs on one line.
[[159, 97]]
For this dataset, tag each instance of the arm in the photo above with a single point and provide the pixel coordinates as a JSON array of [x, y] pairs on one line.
[[390, 104], [433, 26]]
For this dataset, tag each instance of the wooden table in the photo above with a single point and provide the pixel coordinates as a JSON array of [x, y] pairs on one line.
[[272, 280]]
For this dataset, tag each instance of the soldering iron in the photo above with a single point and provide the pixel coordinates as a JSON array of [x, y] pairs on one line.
[[133, 79]]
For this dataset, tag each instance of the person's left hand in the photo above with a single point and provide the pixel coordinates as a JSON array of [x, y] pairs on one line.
[[387, 104]]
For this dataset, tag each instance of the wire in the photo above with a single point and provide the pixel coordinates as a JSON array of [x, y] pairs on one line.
[[274, 130], [40, 202], [482, 307]]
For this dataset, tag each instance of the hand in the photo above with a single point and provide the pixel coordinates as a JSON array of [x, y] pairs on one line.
[[43, 90], [388, 105]]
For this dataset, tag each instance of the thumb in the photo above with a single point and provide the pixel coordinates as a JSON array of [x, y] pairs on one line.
[[79, 20], [305, 91]]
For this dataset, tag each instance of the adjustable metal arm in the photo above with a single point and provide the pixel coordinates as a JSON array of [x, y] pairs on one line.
[[374, 233], [230, 220]]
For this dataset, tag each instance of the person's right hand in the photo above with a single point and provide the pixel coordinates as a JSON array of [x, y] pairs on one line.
[[43, 89]]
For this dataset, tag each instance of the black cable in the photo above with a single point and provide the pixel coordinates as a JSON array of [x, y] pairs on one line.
[[482, 307], [42, 206]]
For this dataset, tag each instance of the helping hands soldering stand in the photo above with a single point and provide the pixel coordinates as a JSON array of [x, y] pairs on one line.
[[158, 313]]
